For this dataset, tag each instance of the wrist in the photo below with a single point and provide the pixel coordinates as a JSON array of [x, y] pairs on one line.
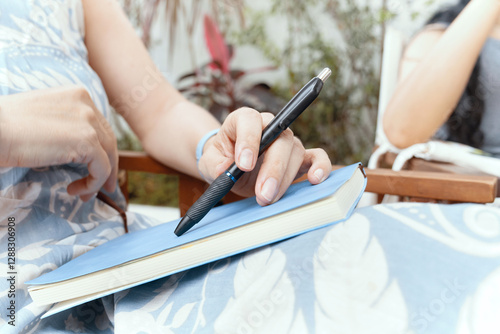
[[201, 147]]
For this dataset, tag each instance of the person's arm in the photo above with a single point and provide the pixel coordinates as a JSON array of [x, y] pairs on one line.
[[434, 73], [170, 127], [156, 111]]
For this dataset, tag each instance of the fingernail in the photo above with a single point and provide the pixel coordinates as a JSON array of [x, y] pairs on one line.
[[270, 189], [319, 174], [246, 158]]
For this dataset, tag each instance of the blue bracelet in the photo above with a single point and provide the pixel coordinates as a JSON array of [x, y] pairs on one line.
[[201, 144]]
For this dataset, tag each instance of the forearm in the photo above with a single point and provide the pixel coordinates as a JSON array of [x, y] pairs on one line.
[[425, 99], [170, 127], [167, 125], [173, 137]]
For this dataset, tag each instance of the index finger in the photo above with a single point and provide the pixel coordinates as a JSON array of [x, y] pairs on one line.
[[99, 168], [244, 128]]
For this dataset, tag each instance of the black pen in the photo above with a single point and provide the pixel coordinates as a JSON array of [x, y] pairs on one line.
[[224, 182]]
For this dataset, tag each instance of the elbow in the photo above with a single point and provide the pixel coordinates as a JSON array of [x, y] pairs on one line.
[[399, 135]]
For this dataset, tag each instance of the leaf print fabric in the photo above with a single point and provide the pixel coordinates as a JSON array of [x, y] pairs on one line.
[[393, 268], [348, 298], [42, 46]]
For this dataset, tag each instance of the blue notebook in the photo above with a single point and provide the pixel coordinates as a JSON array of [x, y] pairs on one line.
[[146, 255]]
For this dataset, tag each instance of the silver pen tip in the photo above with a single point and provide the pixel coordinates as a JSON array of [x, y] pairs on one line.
[[325, 74]]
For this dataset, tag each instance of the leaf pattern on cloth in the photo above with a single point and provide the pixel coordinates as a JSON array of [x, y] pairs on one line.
[[479, 219], [263, 300], [33, 251], [480, 312], [139, 321], [42, 46], [45, 48], [162, 294], [369, 274], [45, 25], [351, 278], [24, 191], [166, 320]]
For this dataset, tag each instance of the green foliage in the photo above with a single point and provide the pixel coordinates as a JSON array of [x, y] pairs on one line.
[[385, 15], [153, 189], [148, 188], [127, 140], [342, 119]]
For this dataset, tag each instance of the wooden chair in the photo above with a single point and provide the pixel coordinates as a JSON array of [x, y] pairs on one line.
[[189, 189], [411, 184]]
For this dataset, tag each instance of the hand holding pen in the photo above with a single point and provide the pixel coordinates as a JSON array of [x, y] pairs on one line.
[[246, 135]]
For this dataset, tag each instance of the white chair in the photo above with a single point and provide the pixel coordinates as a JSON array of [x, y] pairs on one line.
[[457, 158]]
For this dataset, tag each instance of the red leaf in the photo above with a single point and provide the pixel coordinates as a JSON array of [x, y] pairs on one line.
[[216, 45]]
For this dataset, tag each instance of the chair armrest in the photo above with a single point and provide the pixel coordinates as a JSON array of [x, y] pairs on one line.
[[142, 162], [433, 185], [417, 184], [190, 188], [421, 165]]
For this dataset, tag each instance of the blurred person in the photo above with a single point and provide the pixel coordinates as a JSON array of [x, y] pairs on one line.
[[449, 80]]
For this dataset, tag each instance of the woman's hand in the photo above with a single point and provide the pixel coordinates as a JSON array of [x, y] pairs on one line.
[[170, 127], [269, 176], [58, 126]]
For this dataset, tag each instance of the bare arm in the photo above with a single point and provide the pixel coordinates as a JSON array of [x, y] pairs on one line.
[[138, 91], [170, 127], [435, 71]]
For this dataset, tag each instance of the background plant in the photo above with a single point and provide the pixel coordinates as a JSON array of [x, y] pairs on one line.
[[343, 119], [217, 86]]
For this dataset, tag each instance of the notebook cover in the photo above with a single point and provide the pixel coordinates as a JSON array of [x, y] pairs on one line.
[[149, 241]]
